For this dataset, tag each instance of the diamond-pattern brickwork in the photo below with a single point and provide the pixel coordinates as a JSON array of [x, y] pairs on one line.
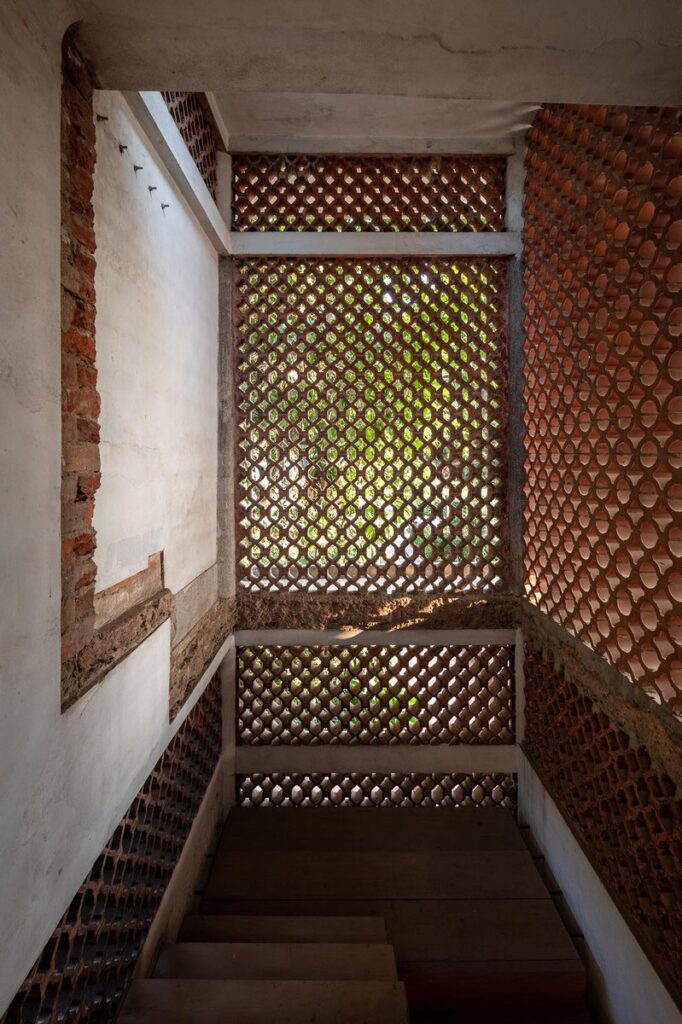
[[603, 234], [275, 192], [623, 809], [189, 111], [355, 790], [372, 424], [83, 972], [310, 695]]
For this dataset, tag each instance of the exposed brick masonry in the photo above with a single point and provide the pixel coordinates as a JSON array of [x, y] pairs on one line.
[[193, 655], [80, 399], [602, 530], [603, 256], [623, 808], [194, 119], [94, 641]]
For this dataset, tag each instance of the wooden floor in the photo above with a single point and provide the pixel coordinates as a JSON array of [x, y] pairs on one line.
[[335, 914]]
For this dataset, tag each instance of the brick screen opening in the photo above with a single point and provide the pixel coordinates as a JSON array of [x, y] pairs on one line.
[[276, 192], [356, 790], [372, 404], [387, 695]]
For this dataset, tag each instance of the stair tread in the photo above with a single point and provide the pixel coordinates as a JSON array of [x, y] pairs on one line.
[[437, 930], [183, 1001], [281, 928], [371, 828], [278, 961], [372, 874]]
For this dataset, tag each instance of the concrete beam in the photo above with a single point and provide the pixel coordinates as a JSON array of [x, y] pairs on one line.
[[374, 243], [367, 637], [151, 112]]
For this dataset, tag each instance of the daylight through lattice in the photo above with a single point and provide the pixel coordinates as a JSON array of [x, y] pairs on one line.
[[402, 694], [372, 409], [475, 789], [279, 192]]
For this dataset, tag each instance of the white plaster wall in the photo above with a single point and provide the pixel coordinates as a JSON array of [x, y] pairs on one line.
[[157, 358], [629, 989], [65, 779]]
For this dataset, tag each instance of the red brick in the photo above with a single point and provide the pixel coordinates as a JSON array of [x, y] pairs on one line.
[[88, 429], [81, 458], [79, 344]]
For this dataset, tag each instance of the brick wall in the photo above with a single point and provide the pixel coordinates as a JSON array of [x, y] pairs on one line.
[[91, 647], [620, 801], [192, 115], [80, 399], [603, 265], [603, 425]]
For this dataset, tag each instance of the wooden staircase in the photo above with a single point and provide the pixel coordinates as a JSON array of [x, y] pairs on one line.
[[335, 915]]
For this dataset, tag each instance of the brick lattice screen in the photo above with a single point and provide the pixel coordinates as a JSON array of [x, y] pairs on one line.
[[83, 972], [190, 112], [603, 400], [623, 809], [406, 694], [461, 790], [274, 192], [372, 424]]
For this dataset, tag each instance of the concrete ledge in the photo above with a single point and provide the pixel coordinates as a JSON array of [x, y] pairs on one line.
[[357, 637], [625, 983], [150, 110], [111, 644]]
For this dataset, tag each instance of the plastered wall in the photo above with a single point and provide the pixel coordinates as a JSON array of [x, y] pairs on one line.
[[65, 778], [157, 337]]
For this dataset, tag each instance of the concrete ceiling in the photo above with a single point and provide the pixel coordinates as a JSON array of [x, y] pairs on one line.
[[387, 75]]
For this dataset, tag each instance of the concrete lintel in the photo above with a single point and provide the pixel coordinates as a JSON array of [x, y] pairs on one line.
[[404, 758], [155, 119], [365, 638], [375, 243], [364, 145]]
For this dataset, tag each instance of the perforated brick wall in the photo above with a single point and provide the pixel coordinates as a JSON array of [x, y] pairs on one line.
[[602, 251], [356, 790], [276, 192], [386, 695], [623, 808], [191, 114], [372, 421], [83, 972]]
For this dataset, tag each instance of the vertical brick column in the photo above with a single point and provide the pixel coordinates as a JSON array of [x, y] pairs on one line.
[[80, 399]]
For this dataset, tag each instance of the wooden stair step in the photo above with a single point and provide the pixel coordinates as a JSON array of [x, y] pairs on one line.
[[457, 930], [510, 1015], [524, 985], [278, 961], [281, 928], [371, 874], [185, 1001], [370, 828]]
